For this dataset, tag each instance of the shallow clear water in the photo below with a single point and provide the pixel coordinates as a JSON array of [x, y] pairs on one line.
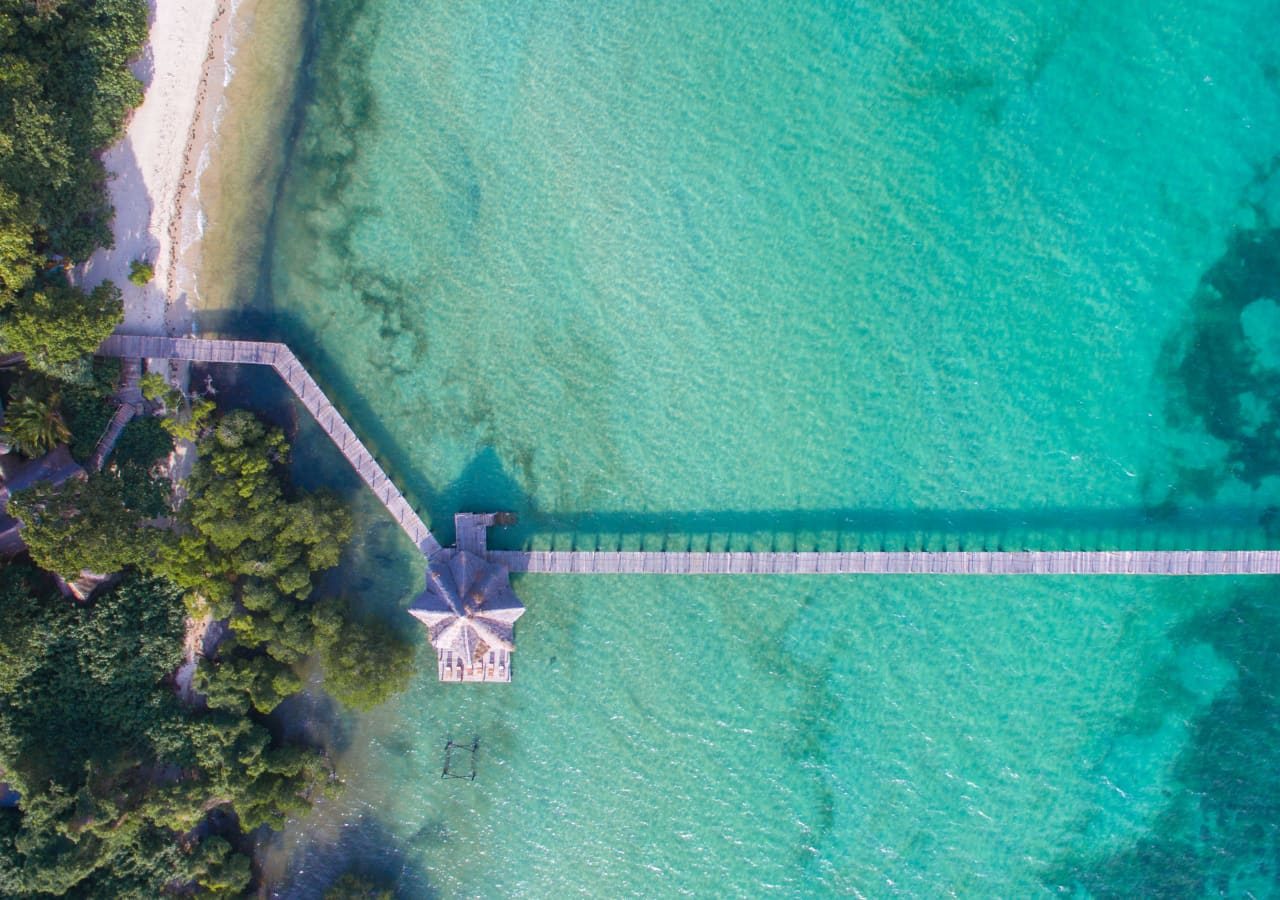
[[806, 275]]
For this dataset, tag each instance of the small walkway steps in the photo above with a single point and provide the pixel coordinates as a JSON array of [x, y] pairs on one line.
[[129, 398]]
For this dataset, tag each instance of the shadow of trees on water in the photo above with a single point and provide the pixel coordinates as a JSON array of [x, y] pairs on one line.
[[368, 848]]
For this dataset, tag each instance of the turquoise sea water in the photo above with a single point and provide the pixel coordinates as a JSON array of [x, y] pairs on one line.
[[806, 275]]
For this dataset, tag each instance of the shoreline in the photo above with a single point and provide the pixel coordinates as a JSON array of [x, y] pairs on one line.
[[238, 169], [184, 254], [153, 170]]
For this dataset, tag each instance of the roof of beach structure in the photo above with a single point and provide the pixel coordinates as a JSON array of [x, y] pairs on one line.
[[468, 606], [56, 466]]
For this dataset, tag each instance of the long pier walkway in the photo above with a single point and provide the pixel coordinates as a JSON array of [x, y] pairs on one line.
[[1023, 562], [473, 529], [281, 358]]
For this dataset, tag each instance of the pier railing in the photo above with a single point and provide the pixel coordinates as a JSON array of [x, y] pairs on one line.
[[304, 387], [952, 562], [1025, 562]]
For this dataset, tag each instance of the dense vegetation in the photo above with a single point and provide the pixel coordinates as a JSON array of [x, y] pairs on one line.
[[249, 554], [108, 763], [65, 89], [43, 411], [84, 524], [120, 806], [128, 786]]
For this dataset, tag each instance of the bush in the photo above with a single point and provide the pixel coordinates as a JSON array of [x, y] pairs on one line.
[[143, 443], [154, 387], [141, 272]]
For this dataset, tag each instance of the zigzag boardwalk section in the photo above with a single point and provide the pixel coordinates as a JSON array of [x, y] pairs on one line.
[[1023, 562], [1028, 562], [281, 358]]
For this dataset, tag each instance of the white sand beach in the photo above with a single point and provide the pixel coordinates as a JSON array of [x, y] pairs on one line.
[[154, 168]]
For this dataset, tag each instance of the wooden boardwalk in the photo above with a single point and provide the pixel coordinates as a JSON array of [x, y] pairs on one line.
[[1026, 562], [129, 398], [281, 358], [472, 532], [472, 528]]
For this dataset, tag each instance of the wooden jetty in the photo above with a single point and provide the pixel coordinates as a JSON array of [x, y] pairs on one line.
[[472, 528], [281, 358], [1022, 562], [470, 610]]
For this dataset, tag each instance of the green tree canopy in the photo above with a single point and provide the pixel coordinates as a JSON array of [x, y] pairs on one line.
[[33, 423], [357, 886], [19, 260], [65, 89], [84, 523], [238, 524], [237, 682], [110, 766], [184, 419], [140, 272], [219, 870], [365, 660], [55, 324], [143, 443], [87, 689]]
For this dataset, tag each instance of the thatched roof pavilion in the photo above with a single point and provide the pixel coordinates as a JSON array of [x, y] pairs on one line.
[[470, 612]]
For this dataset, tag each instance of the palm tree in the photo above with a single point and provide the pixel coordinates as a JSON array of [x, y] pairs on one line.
[[34, 425]]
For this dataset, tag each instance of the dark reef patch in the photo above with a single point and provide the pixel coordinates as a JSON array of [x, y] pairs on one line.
[[1220, 382], [1220, 834], [1222, 368], [323, 195]]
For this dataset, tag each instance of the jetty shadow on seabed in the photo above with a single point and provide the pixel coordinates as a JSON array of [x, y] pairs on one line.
[[486, 484], [866, 529], [483, 485]]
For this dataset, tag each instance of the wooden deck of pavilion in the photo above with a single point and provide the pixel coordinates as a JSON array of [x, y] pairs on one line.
[[469, 608]]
